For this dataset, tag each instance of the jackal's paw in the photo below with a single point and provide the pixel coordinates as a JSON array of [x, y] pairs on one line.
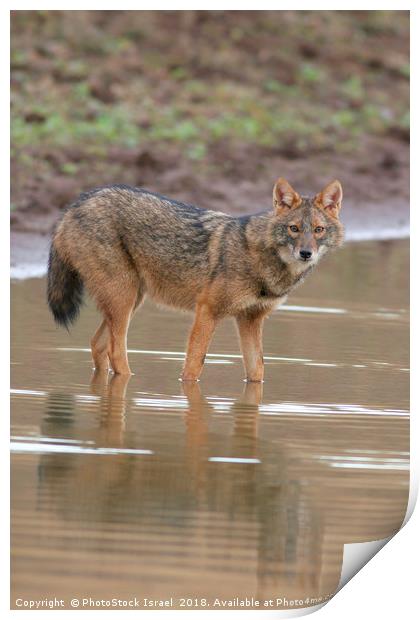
[[101, 369], [122, 373], [189, 378]]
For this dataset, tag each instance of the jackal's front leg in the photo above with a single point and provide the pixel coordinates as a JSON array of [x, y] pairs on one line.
[[250, 334], [198, 343]]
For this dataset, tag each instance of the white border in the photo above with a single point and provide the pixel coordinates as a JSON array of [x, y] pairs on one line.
[[385, 587]]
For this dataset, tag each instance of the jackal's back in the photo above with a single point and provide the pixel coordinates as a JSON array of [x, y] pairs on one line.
[[174, 248]]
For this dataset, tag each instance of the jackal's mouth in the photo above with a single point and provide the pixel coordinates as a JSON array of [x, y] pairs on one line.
[[306, 259]]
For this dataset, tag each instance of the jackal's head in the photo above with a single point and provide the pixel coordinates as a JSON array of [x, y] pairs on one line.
[[306, 228]]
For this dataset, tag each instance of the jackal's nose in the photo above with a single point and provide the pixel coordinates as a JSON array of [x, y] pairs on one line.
[[305, 254]]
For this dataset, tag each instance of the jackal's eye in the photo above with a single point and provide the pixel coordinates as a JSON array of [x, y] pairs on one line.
[[293, 228], [319, 229]]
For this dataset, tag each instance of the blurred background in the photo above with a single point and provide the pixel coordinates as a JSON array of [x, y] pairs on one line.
[[211, 107]]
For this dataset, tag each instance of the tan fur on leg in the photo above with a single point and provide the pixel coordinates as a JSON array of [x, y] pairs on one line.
[[198, 343], [250, 334]]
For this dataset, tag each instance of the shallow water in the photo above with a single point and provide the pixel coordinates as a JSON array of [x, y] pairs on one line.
[[219, 490]]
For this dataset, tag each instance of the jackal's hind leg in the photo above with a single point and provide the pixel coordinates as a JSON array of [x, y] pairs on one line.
[[118, 320], [117, 300], [100, 344]]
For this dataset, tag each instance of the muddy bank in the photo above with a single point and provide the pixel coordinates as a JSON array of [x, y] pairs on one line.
[[211, 116]]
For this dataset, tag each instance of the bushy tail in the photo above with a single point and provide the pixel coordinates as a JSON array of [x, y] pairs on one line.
[[64, 290]]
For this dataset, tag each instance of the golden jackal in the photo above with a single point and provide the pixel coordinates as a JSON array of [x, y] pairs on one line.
[[123, 243]]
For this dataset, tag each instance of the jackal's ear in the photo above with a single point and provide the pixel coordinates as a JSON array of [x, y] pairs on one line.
[[330, 198], [284, 197]]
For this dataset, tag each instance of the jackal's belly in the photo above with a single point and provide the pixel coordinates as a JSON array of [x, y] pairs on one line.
[[172, 293], [225, 298]]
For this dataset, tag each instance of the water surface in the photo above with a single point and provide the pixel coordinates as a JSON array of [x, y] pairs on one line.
[[222, 490]]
